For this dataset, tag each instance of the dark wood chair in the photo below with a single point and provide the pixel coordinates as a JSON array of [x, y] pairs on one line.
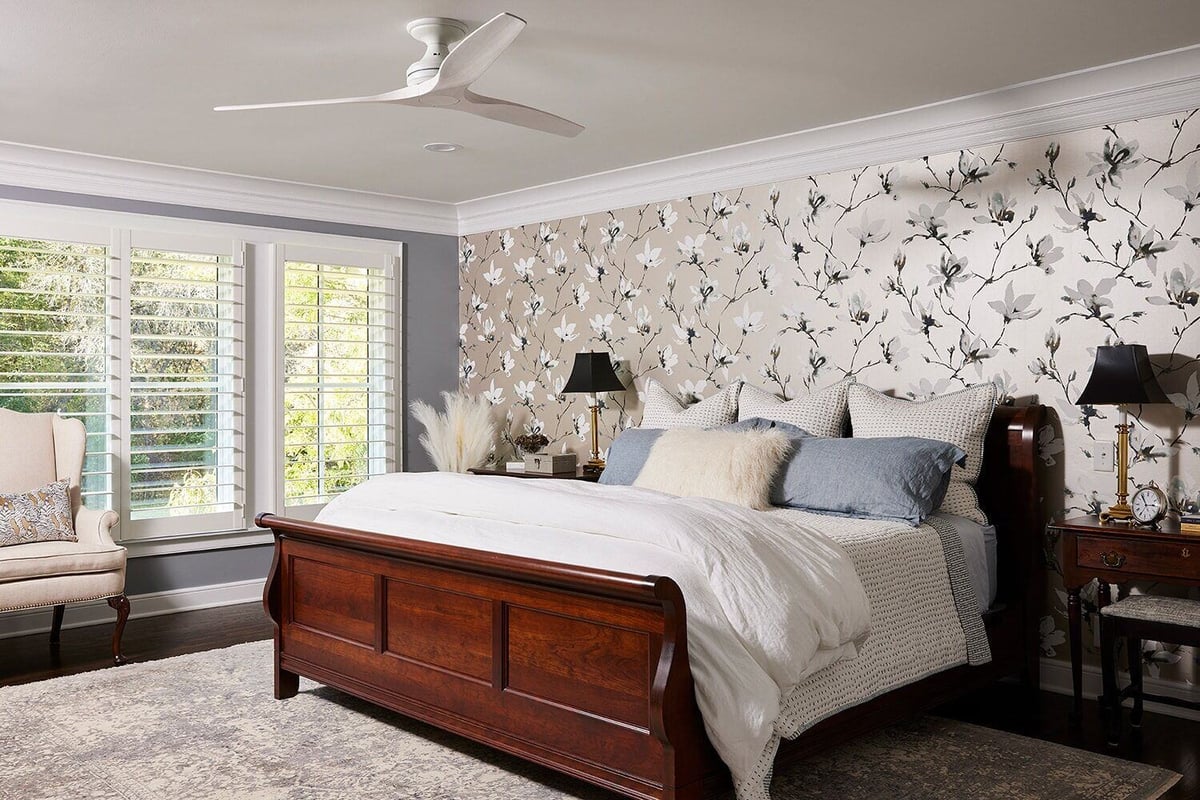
[[1137, 618]]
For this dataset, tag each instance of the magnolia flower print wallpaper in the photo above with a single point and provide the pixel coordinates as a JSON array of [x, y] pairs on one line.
[[1006, 263]]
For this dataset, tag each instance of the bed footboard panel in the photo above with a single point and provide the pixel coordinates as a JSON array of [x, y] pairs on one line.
[[581, 673]]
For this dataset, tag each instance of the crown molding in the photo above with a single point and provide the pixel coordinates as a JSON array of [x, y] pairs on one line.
[[83, 173], [1158, 84]]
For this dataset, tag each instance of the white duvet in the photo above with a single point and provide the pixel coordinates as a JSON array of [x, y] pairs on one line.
[[769, 601]]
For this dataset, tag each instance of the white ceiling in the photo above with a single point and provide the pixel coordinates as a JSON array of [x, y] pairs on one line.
[[137, 79]]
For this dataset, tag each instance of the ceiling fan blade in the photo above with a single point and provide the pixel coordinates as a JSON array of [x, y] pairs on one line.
[[517, 114], [399, 95], [466, 62]]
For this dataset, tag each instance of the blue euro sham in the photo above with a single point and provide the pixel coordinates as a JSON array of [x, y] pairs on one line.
[[901, 478], [627, 455]]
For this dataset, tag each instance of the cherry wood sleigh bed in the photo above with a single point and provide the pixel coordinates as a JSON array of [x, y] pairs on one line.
[[584, 670]]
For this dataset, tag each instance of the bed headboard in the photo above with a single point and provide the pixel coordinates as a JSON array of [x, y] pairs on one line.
[[1010, 490]]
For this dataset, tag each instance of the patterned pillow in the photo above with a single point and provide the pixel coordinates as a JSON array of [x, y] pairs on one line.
[[960, 418], [822, 413], [40, 515], [663, 409]]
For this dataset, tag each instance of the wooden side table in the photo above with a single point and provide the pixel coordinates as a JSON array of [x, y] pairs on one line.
[[577, 475], [1118, 553]]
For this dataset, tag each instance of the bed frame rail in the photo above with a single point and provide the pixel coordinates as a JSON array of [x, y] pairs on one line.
[[582, 670]]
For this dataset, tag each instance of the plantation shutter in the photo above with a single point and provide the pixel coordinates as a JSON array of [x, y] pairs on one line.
[[184, 379], [339, 333], [57, 326]]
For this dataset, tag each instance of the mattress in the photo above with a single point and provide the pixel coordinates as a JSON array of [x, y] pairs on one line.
[[915, 587], [979, 549], [908, 575]]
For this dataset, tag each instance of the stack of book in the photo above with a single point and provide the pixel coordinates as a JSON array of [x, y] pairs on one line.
[[1190, 522]]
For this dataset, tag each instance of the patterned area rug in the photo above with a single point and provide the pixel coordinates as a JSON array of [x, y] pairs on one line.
[[206, 726]]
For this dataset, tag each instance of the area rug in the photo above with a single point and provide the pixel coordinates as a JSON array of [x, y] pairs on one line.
[[205, 726]]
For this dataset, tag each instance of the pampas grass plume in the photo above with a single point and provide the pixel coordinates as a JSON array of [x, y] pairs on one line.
[[460, 438]]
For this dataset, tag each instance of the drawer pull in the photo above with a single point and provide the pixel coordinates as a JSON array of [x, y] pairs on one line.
[[1186, 553], [1112, 560]]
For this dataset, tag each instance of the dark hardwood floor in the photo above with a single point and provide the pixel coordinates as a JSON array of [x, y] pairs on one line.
[[1165, 741], [24, 659]]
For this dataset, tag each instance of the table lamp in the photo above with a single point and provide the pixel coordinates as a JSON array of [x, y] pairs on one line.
[[1121, 376], [593, 373]]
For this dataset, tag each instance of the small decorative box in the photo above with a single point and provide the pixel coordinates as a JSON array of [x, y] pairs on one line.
[[551, 463]]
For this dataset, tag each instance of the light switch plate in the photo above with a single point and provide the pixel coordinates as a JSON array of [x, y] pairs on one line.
[[1103, 460]]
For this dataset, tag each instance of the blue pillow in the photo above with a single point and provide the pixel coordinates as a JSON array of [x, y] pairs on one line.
[[629, 451], [901, 478], [627, 454], [760, 424]]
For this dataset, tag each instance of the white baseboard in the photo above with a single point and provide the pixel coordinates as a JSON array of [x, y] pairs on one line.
[[152, 604], [1056, 677]]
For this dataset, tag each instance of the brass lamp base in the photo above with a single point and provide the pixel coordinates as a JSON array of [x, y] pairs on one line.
[[595, 464], [1121, 512]]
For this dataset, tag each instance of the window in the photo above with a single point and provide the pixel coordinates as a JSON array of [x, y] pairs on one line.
[[217, 371], [338, 357], [142, 341], [56, 321], [185, 387]]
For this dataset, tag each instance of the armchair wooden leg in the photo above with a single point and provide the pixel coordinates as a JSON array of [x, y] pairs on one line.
[[56, 625], [121, 604]]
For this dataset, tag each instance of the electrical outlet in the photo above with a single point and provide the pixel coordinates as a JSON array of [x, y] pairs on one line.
[[1103, 460]]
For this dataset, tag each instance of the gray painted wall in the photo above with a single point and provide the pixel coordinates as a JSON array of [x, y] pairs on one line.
[[430, 359], [204, 568]]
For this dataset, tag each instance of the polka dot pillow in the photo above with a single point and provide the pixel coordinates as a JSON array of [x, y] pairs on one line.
[[663, 410], [822, 413], [960, 418]]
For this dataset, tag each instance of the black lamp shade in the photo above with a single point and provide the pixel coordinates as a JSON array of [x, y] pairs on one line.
[[1122, 375], [593, 372]]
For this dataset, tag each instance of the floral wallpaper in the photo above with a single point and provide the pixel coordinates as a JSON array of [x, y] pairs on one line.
[[1007, 264]]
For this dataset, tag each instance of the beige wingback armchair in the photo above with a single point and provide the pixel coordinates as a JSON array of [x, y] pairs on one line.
[[36, 449]]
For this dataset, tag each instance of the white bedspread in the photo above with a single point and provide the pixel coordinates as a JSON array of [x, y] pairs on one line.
[[770, 601]]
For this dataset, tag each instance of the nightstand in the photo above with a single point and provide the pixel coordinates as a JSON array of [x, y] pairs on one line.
[[577, 475], [1117, 553]]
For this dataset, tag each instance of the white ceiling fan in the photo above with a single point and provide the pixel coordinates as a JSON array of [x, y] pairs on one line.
[[442, 77]]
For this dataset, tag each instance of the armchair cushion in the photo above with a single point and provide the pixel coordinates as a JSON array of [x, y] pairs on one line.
[[39, 515], [44, 559]]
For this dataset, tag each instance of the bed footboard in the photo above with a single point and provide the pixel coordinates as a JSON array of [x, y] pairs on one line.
[[581, 670]]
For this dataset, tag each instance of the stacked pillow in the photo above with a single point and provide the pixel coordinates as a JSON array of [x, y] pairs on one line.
[[905, 461], [960, 418], [822, 413], [662, 408]]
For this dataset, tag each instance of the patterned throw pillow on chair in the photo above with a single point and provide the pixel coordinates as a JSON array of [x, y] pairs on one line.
[[40, 515], [663, 410]]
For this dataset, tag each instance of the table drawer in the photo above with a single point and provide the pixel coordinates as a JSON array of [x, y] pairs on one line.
[[1160, 559]]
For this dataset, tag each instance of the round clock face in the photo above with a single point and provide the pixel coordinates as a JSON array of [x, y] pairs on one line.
[[1149, 505]]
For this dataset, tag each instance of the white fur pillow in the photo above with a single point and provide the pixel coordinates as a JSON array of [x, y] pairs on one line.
[[735, 466], [663, 409]]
